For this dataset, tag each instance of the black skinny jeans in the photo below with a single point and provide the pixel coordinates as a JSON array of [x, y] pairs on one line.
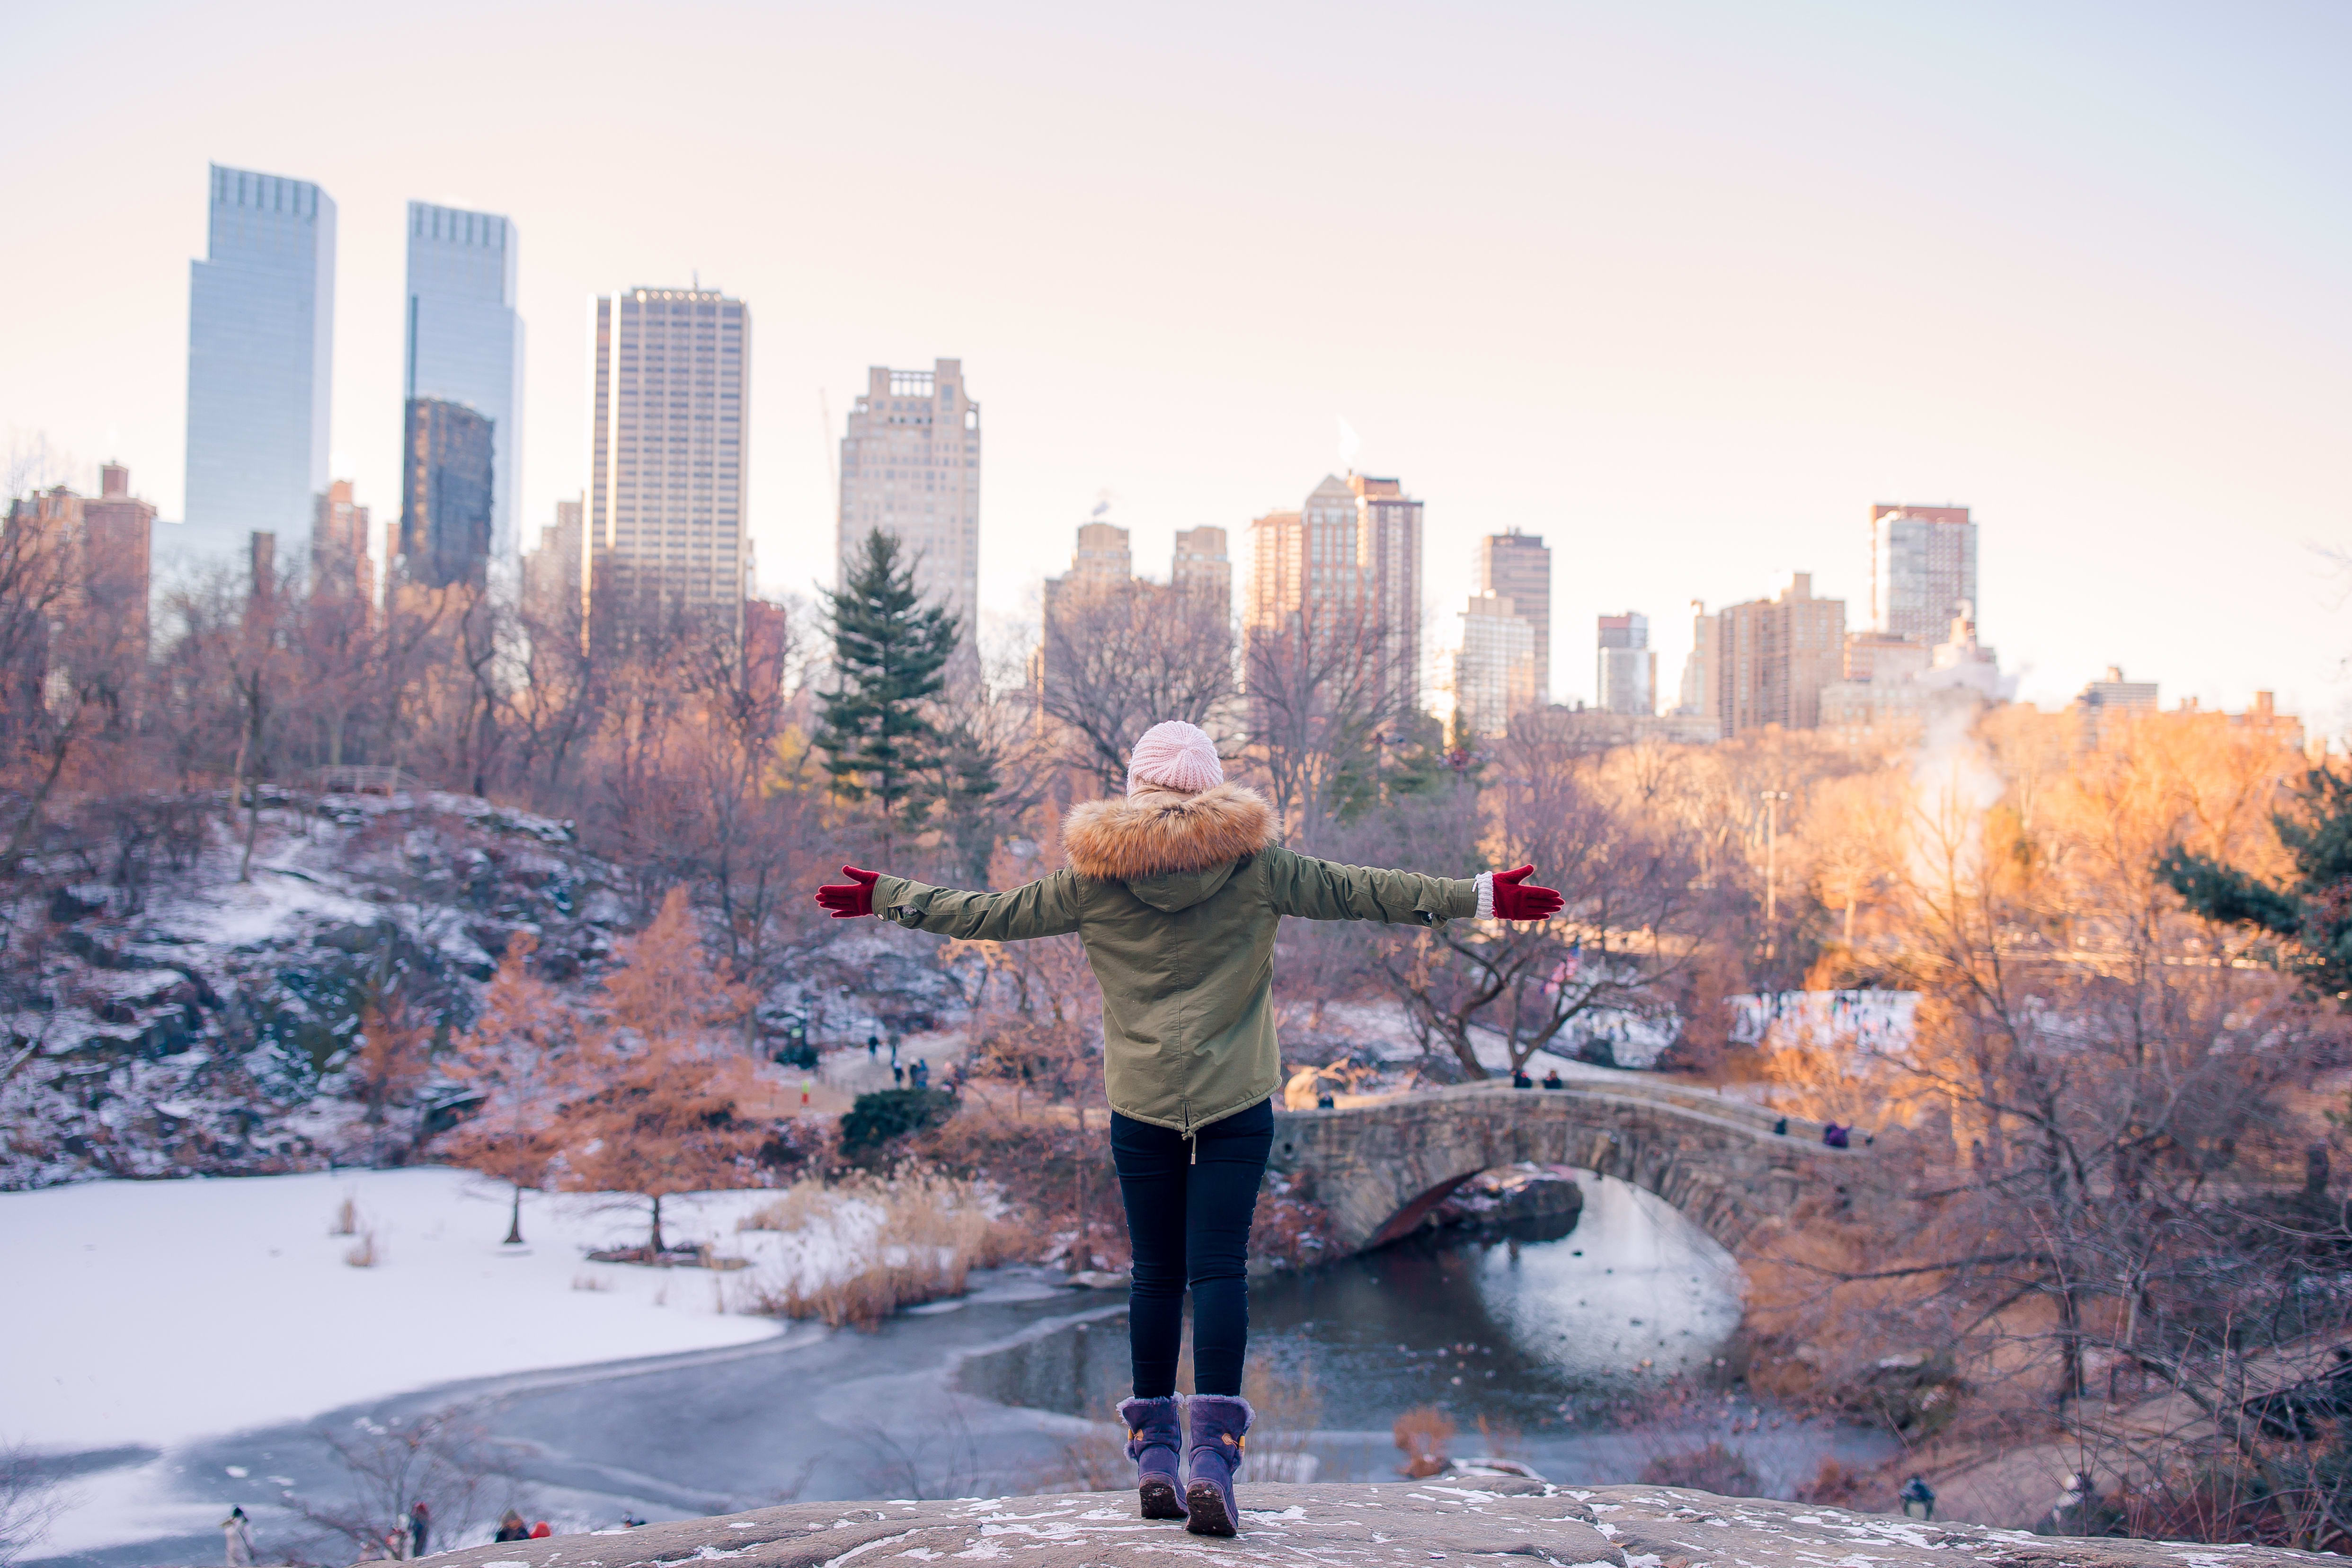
[[1188, 1220]]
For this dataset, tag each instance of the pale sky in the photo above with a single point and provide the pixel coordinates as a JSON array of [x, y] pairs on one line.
[[1681, 287]]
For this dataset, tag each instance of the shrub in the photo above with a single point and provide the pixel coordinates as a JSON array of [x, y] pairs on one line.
[[879, 1119]]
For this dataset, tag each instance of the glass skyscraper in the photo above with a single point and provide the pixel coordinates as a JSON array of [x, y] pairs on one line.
[[465, 346], [261, 346], [448, 482]]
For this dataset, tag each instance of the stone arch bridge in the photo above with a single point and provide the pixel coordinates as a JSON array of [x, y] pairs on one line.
[[1378, 1168]]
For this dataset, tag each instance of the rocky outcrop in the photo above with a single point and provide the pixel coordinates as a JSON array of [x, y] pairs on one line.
[[1496, 1523]]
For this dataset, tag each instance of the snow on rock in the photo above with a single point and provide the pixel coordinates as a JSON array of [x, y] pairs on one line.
[[1490, 1520], [165, 1310]]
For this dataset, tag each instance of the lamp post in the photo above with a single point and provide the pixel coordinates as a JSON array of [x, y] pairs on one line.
[[1772, 799]]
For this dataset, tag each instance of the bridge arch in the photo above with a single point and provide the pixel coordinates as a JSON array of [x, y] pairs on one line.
[[1378, 1167]]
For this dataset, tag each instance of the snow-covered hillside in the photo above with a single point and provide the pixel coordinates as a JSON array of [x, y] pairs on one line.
[[205, 1027]]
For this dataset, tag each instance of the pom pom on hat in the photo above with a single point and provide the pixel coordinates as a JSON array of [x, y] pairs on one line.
[[1174, 756]]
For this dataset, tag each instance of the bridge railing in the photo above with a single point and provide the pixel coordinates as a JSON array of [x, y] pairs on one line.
[[1723, 1107]]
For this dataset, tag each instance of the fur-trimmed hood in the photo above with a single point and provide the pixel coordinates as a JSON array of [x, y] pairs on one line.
[[1160, 832]]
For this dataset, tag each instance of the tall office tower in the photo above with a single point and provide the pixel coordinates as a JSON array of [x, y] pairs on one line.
[[1101, 567], [1202, 567], [339, 567], [448, 480], [552, 586], [1773, 657], [666, 519], [1388, 542], [1699, 692], [910, 467], [465, 344], [1495, 674], [1103, 559], [1348, 564], [1519, 567], [1101, 564], [1626, 675], [1923, 569], [262, 317]]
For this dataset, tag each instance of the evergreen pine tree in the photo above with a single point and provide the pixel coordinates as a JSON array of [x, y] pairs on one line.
[[890, 653]]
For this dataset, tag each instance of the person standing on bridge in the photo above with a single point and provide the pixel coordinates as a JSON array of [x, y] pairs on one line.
[[1175, 891]]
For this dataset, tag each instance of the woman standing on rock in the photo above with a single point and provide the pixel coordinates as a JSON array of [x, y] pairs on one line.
[[1175, 891]]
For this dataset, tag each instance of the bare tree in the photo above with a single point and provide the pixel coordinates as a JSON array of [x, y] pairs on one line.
[[1630, 926], [1322, 708], [30, 1501], [443, 1460], [1115, 662]]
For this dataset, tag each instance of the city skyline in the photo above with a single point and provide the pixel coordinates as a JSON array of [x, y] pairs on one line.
[[2108, 319]]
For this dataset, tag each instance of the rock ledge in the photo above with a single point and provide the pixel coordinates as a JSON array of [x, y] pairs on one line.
[[1491, 1524]]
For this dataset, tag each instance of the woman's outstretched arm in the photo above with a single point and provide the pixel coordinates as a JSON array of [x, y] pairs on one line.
[[1326, 890], [1047, 907]]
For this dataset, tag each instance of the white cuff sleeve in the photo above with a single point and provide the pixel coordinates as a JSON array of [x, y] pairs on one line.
[[1485, 880]]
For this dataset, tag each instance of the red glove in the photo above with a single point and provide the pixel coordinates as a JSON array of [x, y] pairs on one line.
[[850, 899], [1513, 901]]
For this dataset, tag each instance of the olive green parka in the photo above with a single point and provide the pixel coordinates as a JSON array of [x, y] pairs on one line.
[[1176, 897]]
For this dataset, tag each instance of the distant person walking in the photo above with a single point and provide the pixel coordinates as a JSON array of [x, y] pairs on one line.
[[805, 1094], [919, 1075], [897, 1076], [1176, 892], [420, 1530], [236, 1536]]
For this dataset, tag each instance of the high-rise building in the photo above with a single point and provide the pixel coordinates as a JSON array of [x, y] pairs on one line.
[[448, 478], [1495, 674], [1923, 569], [261, 314], [1772, 657], [551, 574], [1519, 567], [1699, 692], [672, 388], [1203, 568], [1103, 560], [98, 548], [910, 467], [1347, 563], [1388, 541], [339, 567], [465, 344], [1626, 669]]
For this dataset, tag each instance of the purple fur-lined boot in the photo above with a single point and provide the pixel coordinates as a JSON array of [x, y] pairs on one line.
[[1155, 1436], [1220, 1423]]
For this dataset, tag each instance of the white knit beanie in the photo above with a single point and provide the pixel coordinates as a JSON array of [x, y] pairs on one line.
[[1174, 756]]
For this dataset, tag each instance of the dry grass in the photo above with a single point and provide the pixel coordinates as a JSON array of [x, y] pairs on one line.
[[1425, 1436], [364, 1254], [591, 1282], [347, 1218], [906, 1239]]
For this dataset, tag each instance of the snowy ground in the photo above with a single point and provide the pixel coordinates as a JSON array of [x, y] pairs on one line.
[[171, 1310]]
